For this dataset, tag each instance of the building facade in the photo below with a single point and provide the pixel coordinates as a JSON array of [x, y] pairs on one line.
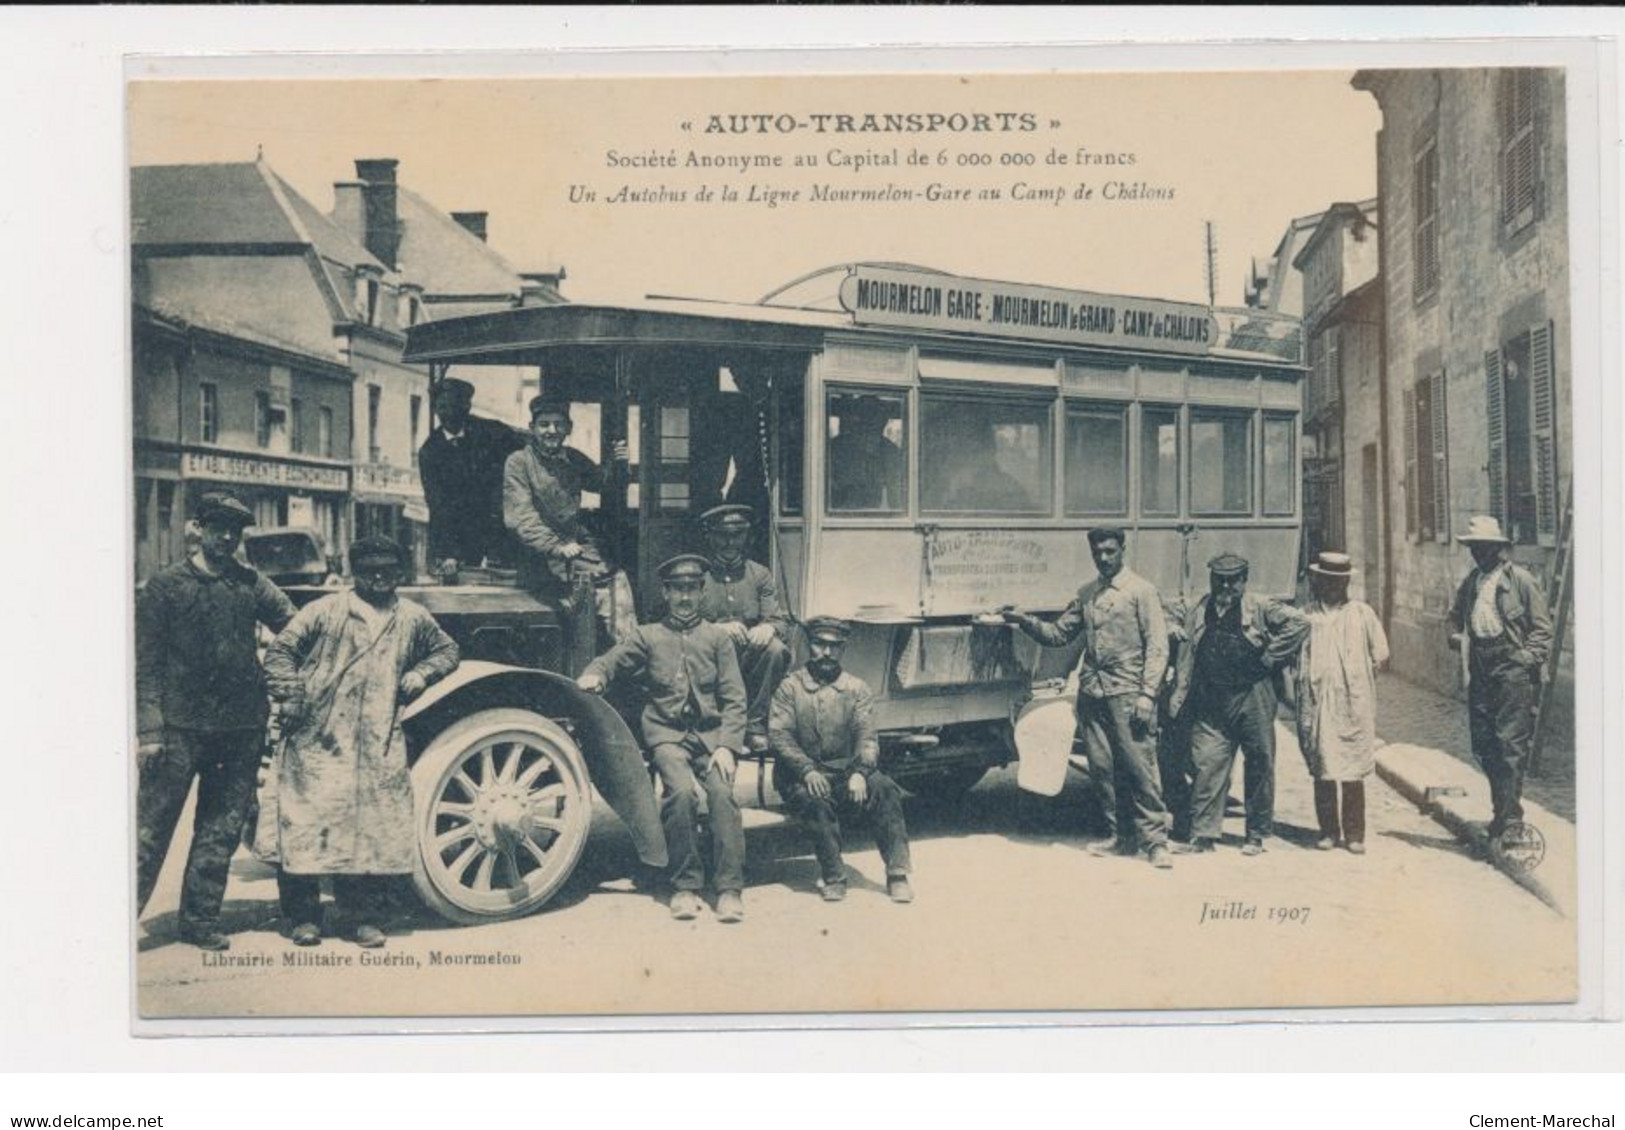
[[1341, 421], [267, 345], [1472, 176]]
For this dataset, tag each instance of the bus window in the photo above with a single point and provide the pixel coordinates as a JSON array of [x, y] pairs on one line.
[[1279, 471], [1159, 462], [1096, 472], [865, 438], [1221, 462], [981, 456]]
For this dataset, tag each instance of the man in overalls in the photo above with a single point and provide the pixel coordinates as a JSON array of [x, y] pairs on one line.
[[1226, 677]]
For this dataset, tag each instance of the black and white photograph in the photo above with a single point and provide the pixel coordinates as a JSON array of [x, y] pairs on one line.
[[1076, 541]]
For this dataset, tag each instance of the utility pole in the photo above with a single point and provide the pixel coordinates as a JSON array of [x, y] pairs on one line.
[[1212, 263]]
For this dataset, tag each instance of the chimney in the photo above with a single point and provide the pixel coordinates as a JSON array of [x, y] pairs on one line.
[[474, 222], [382, 219], [349, 209], [541, 288]]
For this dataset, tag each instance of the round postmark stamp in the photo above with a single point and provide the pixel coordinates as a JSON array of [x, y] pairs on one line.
[[1522, 846]]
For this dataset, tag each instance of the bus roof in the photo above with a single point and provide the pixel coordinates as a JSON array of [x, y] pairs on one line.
[[520, 334]]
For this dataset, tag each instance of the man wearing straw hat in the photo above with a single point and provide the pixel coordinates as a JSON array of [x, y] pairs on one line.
[[1506, 634], [1337, 700]]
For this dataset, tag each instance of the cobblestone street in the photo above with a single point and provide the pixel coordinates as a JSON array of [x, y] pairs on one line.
[[1417, 716]]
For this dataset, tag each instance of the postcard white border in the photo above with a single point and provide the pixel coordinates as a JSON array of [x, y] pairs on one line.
[[76, 948]]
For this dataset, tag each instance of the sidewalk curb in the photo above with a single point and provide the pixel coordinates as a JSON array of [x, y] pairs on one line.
[[1446, 813]]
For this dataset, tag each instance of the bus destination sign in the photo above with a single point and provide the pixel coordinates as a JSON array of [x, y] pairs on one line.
[[885, 296]]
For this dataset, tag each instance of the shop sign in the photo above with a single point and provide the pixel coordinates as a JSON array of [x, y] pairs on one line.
[[263, 472], [885, 296], [382, 478]]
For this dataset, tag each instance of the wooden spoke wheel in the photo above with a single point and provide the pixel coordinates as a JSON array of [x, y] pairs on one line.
[[503, 804]]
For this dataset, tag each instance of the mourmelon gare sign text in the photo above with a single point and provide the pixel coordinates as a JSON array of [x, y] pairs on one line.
[[888, 297]]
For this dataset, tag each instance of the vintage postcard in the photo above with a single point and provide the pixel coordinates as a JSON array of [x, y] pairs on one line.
[[1059, 541]]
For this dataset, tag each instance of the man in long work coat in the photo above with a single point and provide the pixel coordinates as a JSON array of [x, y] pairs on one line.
[[1238, 642], [693, 726], [741, 598], [342, 671], [1507, 633], [461, 467], [201, 710]]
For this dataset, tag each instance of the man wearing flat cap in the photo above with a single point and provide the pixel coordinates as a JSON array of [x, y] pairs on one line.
[[693, 725], [461, 466], [827, 762], [741, 598], [1237, 643], [1504, 628], [1119, 614], [541, 506], [343, 670], [201, 710]]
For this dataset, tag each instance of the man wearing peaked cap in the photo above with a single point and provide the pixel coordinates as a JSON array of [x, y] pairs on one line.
[[541, 507], [1503, 626], [693, 724], [741, 598], [1237, 643], [461, 465], [201, 710], [827, 762]]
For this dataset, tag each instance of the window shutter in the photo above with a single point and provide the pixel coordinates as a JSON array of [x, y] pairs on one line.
[[1495, 412], [1412, 504], [1543, 418], [1441, 462], [1334, 365]]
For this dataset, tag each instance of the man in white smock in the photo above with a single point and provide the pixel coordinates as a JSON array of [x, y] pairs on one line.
[[1337, 700]]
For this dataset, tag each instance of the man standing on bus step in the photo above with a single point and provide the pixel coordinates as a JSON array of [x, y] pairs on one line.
[[461, 467], [741, 599], [827, 762], [1238, 643], [201, 710], [541, 506], [693, 723], [1507, 633], [1125, 653]]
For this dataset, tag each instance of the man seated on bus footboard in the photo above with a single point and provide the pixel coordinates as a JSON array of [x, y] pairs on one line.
[[693, 726], [1120, 672], [741, 599], [827, 762]]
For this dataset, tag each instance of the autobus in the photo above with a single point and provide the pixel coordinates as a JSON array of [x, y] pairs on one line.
[[920, 448]]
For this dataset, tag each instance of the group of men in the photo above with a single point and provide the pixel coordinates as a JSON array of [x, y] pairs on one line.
[[712, 672], [1165, 701], [1162, 709], [341, 668]]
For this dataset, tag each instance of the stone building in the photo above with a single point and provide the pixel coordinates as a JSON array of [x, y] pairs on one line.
[[1342, 440], [1473, 243]]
